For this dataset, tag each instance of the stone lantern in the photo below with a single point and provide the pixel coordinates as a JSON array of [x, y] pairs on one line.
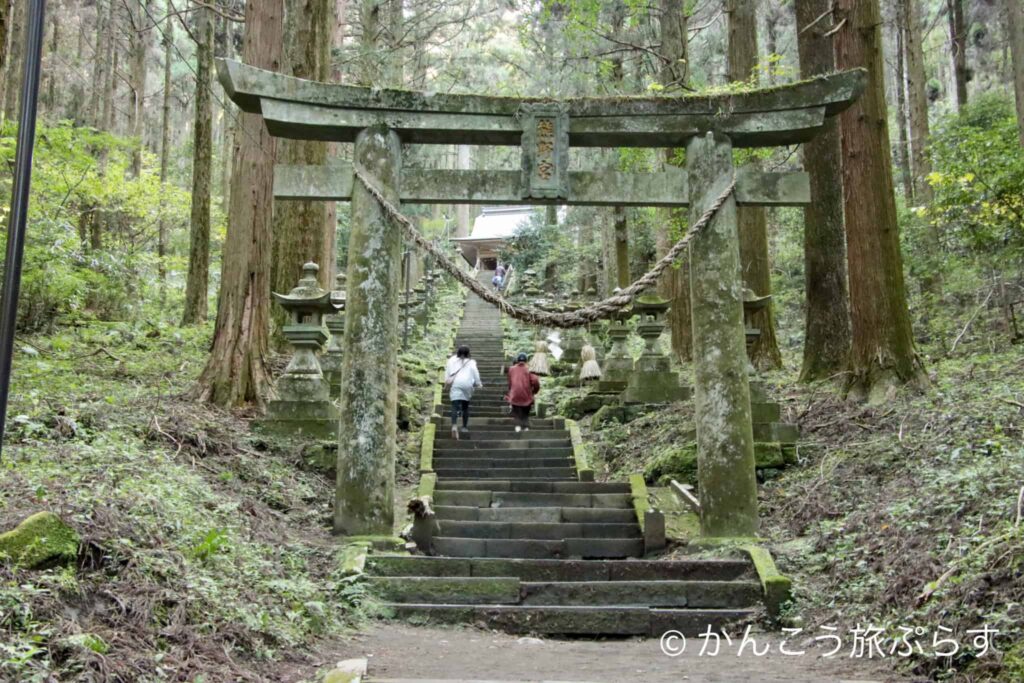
[[330, 363], [572, 339], [618, 364], [652, 379], [303, 406], [774, 440]]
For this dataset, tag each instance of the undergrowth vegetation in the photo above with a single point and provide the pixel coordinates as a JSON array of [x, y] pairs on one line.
[[200, 550]]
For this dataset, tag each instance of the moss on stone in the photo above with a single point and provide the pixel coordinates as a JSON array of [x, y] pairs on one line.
[[638, 492], [427, 448], [379, 542], [678, 462], [778, 589], [352, 559], [40, 541], [427, 484]]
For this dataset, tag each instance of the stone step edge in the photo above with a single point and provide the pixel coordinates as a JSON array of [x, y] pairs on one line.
[[606, 620]]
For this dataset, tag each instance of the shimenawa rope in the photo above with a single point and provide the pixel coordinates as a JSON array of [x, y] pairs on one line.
[[529, 314]]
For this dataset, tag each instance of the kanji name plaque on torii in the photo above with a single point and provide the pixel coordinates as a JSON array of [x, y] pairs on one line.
[[545, 150]]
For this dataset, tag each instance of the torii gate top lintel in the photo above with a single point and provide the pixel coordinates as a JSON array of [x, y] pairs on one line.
[[301, 109]]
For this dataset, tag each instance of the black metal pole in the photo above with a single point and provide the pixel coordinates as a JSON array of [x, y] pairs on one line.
[[19, 199]]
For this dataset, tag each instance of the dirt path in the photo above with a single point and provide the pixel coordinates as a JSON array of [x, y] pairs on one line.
[[398, 651]]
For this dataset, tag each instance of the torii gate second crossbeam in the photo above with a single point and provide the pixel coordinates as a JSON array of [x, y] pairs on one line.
[[379, 121]]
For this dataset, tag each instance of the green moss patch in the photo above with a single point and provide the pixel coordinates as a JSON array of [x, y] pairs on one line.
[[43, 540]]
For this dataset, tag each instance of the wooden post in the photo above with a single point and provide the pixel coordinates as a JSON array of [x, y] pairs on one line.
[[725, 440], [364, 498]]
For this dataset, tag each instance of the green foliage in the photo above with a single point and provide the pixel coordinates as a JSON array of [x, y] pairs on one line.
[[978, 180], [192, 526], [92, 227]]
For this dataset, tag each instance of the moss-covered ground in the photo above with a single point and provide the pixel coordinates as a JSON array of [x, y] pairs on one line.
[[206, 551], [908, 513]]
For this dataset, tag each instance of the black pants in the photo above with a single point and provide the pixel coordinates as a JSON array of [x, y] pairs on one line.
[[521, 414], [460, 406]]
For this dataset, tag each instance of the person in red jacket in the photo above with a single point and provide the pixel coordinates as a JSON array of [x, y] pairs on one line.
[[522, 386]]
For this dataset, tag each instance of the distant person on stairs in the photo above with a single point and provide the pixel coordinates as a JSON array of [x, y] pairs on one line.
[[523, 385], [461, 378]]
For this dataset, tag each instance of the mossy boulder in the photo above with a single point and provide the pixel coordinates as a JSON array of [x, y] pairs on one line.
[[41, 541], [676, 462]]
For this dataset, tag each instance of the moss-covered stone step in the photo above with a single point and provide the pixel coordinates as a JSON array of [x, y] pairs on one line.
[[494, 590], [563, 570], [547, 515], [488, 459], [477, 438], [549, 531], [706, 594], [567, 472], [583, 548], [622, 621], [532, 442], [485, 499], [540, 486], [523, 452], [503, 423]]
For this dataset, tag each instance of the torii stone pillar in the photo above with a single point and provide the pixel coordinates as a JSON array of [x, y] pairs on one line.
[[365, 494], [725, 440]]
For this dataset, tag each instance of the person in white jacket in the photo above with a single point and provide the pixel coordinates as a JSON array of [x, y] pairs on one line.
[[461, 377]]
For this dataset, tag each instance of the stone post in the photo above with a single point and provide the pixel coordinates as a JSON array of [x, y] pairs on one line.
[[364, 499], [725, 441]]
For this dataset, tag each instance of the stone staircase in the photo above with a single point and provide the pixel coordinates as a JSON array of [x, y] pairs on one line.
[[523, 545]]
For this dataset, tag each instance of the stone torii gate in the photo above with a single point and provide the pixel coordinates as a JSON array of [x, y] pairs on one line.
[[380, 121]]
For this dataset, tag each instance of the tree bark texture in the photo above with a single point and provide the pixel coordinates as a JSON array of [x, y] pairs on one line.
[[109, 85], [138, 46], [827, 326], [197, 284], [301, 229], [882, 353], [725, 438], [5, 30], [917, 101], [902, 138], [364, 500], [51, 99], [100, 65], [165, 143], [15, 59], [1015, 31], [237, 372], [958, 45], [675, 283], [753, 223]]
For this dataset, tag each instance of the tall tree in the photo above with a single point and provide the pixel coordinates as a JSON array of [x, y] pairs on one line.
[[197, 283], [673, 76], [301, 229], [902, 123], [51, 98], [15, 58], [827, 328], [882, 353], [165, 144], [1015, 30], [917, 99], [236, 371], [5, 28], [138, 49], [753, 224], [958, 43]]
